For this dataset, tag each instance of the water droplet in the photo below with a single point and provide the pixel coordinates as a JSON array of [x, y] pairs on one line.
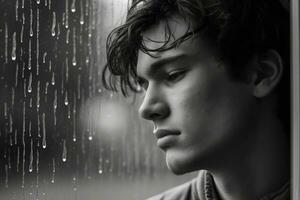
[[73, 7], [53, 24], [38, 96], [90, 137], [17, 6], [53, 79], [14, 46], [78, 86], [53, 171], [17, 75], [37, 42], [5, 110], [30, 83], [16, 136], [29, 129], [68, 36], [67, 69], [31, 156], [66, 99], [55, 100], [29, 55], [46, 88], [44, 131], [64, 153], [22, 33], [10, 123], [81, 14], [69, 112], [74, 47], [67, 14], [31, 19], [44, 57], [37, 161], [38, 126], [38, 1], [23, 2]]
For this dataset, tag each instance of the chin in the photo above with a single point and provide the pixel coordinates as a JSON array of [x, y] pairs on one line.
[[179, 165]]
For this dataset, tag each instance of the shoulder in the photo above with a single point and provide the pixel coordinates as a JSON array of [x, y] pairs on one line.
[[181, 192], [186, 191]]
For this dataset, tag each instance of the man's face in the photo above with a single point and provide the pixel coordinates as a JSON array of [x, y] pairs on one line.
[[199, 114]]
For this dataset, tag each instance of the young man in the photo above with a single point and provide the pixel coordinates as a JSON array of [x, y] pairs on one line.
[[215, 81]]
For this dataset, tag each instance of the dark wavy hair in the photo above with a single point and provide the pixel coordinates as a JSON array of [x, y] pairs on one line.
[[239, 29]]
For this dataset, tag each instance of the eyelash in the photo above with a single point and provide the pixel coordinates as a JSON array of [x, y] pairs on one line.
[[171, 77]]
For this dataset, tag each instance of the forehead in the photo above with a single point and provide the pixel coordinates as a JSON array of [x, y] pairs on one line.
[[156, 36]]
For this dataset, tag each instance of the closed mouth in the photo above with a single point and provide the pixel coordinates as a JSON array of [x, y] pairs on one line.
[[160, 133]]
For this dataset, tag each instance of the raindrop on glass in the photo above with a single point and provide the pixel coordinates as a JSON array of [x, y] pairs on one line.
[[81, 14], [44, 57], [38, 96], [73, 6], [38, 126], [53, 171], [17, 6], [14, 46], [66, 99], [22, 33], [44, 144], [29, 55], [31, 156], [17, 73], [53, 24], [74, 47], [53, 78], [31, 19], [30, 83], [64, 153], [67, 14]]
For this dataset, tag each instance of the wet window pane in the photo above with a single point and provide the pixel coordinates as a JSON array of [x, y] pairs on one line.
[[62, 136]]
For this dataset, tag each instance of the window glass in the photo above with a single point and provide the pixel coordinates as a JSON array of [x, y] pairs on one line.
[[62, 136]]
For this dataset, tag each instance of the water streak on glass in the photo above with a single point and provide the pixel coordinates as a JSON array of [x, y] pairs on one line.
[[44, 143], [53, 24], [73, 6], [14, 46], [29, 55]]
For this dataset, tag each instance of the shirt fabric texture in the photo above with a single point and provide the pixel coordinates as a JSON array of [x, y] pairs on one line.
[[203, 188]]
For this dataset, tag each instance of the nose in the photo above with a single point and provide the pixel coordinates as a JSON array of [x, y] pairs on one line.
[[154, 107]]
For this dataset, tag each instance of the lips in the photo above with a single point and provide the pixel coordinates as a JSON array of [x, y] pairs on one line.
[[166, 138], [160, 133]]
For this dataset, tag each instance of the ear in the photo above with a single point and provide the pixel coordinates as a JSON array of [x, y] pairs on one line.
[[268, 73]]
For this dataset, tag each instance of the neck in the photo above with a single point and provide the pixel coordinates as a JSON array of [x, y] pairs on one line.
[[258, 167]]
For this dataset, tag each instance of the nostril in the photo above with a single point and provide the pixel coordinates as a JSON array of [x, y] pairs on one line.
[[155, 116]]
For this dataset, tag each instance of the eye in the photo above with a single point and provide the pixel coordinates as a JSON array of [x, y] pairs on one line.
[[175, 75], [142, 83]]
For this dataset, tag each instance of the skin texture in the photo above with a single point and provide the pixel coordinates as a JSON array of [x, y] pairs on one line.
[[202, 103], [227, 127]]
